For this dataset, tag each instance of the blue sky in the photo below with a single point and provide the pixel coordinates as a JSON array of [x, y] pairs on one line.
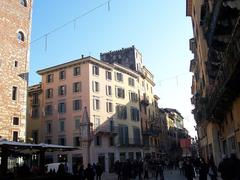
[[159, 29]]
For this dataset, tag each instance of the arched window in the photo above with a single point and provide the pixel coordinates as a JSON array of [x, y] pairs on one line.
[[23, 2], [20, 36]]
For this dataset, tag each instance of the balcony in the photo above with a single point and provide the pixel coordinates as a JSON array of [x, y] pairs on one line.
[[151, 132], [106, 130], [144, 100], [225, 88], [130, 142], [192, 65]]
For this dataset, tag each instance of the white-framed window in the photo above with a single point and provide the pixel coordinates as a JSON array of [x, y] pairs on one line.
[[62, 90], [77, 122], [61, 125], [134, 113], [108, 75], [62, 107], [121, 111], [120, 92], [97, 121], [76, 71], [77, 87], [49, 93], [95, 86], [133, 96], [49, 78], [108, 90], [131, 82], [96, 103], [119, 76], [77, 104], [95, 70], [62, 75], [109, 106]]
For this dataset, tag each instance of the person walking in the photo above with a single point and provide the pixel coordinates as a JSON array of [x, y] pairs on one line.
[[145, 167], [203, 170], [159, 171], [189, 171], [212, 171], [99, 171]]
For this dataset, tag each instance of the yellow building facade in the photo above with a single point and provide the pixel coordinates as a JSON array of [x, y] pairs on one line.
[[215, 68]]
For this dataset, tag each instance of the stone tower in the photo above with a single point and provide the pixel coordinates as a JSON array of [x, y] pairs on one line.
[[15, 31], [129, 57]]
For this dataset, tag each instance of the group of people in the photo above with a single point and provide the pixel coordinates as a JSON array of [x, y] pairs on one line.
[[132, 169], [90, 172], [229, 168]]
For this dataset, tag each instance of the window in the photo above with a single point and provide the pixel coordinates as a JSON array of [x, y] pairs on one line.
[[35, 136], [96, 104], [23, 2], [119, 76], [49, 127], [76, 141], [48, 140], [136, 135], [61, 141], [97, 122], [108, 75], [133, 96], [109, 106], [61, 125], [62, 107], [35, 112], [123, 135], [15, 63], [49, 93], [62, 75], [35, 99], [76, 71], [77, 104], [20, 36], [77, 123], [95, 86], [14, 93], [120, 92], [121, 112], [131, 82], [108, 90], [15, 120], [49, 78], [77, 87], [111, 141], [134, 114], [62, 90], [95, 70], [97, 140], [49, 109], [15, 136]]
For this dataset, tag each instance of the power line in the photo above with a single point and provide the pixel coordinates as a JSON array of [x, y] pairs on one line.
[[69, 22], [176, 77]]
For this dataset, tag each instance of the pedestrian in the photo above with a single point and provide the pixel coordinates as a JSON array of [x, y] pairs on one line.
[[203, 170], [159, 171], [189, 170], [81, 172], [212, 171], [145, 167], [89, 173], [180, 165], [99, 171], [224, 169]]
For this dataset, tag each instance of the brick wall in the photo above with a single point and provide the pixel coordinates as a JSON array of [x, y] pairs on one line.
[[14, 58]]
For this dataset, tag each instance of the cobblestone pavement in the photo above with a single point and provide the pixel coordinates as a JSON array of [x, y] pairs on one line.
[[168, 175]]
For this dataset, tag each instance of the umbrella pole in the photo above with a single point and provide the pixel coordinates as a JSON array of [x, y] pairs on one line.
[[4, 161]]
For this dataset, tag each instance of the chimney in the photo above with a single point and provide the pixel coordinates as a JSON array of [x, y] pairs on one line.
[[82, 56]]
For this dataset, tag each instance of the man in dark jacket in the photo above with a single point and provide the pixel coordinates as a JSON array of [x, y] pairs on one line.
[[189, 171]]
